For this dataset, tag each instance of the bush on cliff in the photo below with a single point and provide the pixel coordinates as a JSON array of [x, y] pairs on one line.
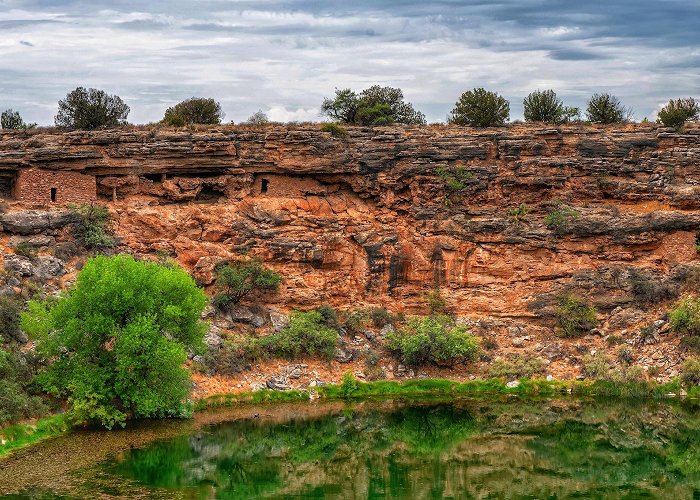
[[684, 317], [679, 111], [435, 339], [373, 106], [306, 334], [93, 226], [91, 109], [606, 109], [480, 108], [574, 316], [237, 280], [116, 341], [544, 106], [193, 111], [12, 120]]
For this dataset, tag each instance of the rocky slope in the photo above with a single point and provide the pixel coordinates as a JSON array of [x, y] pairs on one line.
[[502, 221]]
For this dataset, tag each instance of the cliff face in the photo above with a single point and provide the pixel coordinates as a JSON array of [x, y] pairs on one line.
[[503, 221]]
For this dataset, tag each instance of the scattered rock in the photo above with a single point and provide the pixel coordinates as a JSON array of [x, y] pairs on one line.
[[296, 372], [512, 384], [212, 339], [279, 320], [370, 335], [343, 356], [386, 329], [19, 264], [35, 221], [518, 342], [48, 267], [280, 383]]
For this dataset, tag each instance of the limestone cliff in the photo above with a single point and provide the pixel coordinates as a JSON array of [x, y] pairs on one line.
[[501, 220]]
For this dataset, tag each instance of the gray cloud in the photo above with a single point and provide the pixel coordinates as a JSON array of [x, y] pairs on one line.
[[284, 56]]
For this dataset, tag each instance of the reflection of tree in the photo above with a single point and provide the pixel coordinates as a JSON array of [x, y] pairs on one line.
[[434, 451]]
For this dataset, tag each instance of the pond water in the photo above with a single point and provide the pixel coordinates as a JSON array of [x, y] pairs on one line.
[[562, 448]]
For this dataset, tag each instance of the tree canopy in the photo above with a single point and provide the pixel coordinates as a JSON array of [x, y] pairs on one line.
[[12, 120], [373, 106], [194, 111], [679, 111], [90, 109], [116, 340], [606, 109], [480, 108]]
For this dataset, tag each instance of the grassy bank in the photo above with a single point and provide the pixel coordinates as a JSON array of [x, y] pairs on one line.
[[21, 435]]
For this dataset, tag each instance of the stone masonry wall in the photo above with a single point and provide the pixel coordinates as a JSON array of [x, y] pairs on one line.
[[34, 187]]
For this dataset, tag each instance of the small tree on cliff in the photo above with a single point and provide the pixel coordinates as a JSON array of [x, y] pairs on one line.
[[679, 111], [197, 110], [606, 109], [90, 109], [117, 340], [480, 108], [373, 106], [12, 120], [237, 280]]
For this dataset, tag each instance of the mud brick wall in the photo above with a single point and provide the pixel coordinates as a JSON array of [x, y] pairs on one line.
[[34, 186]]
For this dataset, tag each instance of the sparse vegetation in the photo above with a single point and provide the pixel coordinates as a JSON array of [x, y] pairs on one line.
[[25, 249], [93, 226], [606, 109], [433, 340], [10, 309], [516, 366], [436, 302], [560, 217], [380, 317], [455, 178], [517, 215], [258, 118], [679, 111], [90, 109], [335, 130], [237, 280], [690, 373], [194, 111], [480, 108], [684, 317], [329, 316], [373, 106], [574, 316]]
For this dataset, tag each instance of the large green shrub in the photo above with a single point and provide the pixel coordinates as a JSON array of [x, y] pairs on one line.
[[10, 309], [480, 108], [574, 316], [240, 279], [116, 341], [684, 317], [93, 226], [433, 340], [606, 108], [679, 111], [543, 106], [196, 110], [306, 334], [690, 373], [90, 109], [373, 106], [19, 397]]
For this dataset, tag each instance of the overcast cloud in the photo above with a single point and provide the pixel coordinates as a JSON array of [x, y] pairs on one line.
[[284, 56]]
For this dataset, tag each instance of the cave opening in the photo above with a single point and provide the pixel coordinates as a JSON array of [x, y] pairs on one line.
[[208, 194]]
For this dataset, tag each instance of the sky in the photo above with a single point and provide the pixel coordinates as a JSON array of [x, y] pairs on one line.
[[284, 57]]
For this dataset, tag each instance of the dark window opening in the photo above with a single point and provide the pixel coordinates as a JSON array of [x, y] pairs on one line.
[[154, 177], [53, 194], [264, 185]]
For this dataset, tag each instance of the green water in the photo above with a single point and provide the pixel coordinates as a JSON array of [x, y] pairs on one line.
[[562, 448]]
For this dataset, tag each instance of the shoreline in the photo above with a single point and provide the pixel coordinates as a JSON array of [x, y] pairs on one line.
[[23, 435]]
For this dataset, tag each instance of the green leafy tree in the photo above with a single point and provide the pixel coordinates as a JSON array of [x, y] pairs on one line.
[[544, 106], [19, 398], [240, 279], [606, 109], [679, 111], [116, 341], [12, 120], [196, 110], [373, 106], [434, 340], [307, 333], [480, 108], [90, 109], [684, 317]]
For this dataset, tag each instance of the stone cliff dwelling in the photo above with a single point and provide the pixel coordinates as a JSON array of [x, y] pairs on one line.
[[36, 186]]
